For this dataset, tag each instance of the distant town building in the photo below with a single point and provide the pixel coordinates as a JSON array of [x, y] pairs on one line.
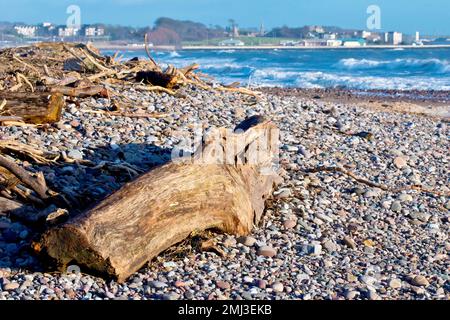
[[313, 43], [235, 31], [316, 29], [289, 43], [262, 31], [231, 43], [47, 24], [26, 31], [334, 43], [394, 38], [354, 43], [373, 38], [94, 32], [417, 36], [366, 34], [68, 32], [330, 36]]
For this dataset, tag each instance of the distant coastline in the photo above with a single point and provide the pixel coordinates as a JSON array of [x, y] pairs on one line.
[[107, 46]]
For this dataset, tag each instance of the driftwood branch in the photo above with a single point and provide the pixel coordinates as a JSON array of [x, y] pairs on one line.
[[36, 183], [85, 92], [378, 185]]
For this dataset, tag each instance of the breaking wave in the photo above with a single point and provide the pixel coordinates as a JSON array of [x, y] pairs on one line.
[[329, 80], [425, 65]]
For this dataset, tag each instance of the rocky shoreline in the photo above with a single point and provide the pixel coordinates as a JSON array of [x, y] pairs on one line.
[[325, 236]]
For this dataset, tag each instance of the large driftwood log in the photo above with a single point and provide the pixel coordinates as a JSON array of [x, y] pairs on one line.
[[36, 108], [224, 186]]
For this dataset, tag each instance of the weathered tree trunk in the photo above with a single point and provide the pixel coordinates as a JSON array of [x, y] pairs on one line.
[[223, 186], [36, 108]]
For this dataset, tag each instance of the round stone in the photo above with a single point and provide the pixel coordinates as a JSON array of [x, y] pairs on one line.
[[158, 284], [290, 224], [222, 285], [262, 284], [278, 287], [420, 281], [350, 295], [395, 284], [171, 296], [405, 197], [400, 162], [247, 241], [396, 206], [75, 154], [179, 284], [11, 286], [248, 279], [267, 251], [349, 242]]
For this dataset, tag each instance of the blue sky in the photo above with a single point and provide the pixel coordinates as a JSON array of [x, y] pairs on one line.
[[427, 16]]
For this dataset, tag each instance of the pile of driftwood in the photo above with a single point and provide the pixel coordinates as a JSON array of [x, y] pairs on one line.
[[33, 80], [150, 214], [36, 82]]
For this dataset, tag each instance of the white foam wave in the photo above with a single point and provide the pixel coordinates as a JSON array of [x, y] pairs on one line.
[[278, 77], [441, 66], [174, 54], [226, 51]]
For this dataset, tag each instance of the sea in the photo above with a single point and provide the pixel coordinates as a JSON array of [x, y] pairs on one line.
[[379, 69]]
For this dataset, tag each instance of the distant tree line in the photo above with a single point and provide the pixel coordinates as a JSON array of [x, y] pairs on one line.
[[167, 31]]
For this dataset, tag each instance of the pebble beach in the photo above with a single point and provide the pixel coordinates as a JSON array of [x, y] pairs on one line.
[[324, 235]]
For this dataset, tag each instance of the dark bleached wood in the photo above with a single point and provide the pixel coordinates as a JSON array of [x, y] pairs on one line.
[[157, 78], [6, 206], [36, 108], [164, 206]]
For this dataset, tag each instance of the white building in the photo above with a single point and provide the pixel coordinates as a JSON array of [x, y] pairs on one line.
[[334, 43], [393, 38], [330, 36], [316, 29], [94, 32], [26, 31], [68, 32], [289, 43], [232, 43], [366, 34], [352, 43], [313, 43]]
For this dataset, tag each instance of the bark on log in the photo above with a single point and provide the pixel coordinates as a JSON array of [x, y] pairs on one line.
[[222, 186], [36, 108]]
